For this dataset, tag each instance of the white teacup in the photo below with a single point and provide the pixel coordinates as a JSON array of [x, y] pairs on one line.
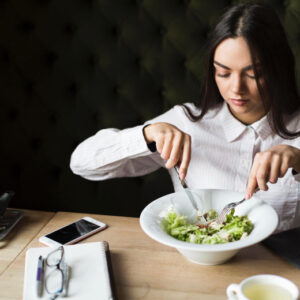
[[263, 287]]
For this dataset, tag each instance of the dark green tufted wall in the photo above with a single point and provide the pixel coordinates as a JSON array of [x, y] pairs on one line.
[[71, 67]]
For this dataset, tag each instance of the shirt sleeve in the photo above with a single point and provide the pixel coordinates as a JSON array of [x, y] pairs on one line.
[[112, 153]]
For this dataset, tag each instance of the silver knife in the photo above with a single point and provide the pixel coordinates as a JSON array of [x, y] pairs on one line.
[[190, 195]]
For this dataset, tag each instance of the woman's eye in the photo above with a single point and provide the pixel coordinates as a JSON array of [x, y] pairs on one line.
[[251, 76], [223, 75]]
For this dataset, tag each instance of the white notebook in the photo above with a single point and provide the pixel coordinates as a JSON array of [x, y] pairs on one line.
[[89, 272]]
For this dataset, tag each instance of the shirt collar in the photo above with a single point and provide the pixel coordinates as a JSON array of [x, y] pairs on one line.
[[262, 127], [233, 128]]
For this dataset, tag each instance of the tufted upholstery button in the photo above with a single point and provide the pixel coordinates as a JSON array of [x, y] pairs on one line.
[[44, 1], [4, 56], [29, 86], [17, 169], [26, 27], [162, 31], [115, 31], [73, 88], [161, 92], [92, 60], [51, 58], [13, 113], [137, 2], [95, 116], [69, 28], [117, 89], [185, 2], [138, 61], [89, 2], [184, 62], [36, 143], [56, 172], [53, 118]]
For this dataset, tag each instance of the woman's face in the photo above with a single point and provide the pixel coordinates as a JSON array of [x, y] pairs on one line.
[[235, 79]]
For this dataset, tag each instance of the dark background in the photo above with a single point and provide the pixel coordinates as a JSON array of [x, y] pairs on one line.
[[72, 67]]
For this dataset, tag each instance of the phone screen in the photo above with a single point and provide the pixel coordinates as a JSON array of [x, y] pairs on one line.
[[72, 231]]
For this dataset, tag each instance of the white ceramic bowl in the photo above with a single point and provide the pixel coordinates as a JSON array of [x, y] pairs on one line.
[[262, 215]]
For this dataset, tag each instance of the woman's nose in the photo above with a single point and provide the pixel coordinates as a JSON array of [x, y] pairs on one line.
[[237, 84]]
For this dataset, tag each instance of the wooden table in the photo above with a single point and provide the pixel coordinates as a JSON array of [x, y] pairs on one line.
[[15, 242], [13, 246], [143, 268]]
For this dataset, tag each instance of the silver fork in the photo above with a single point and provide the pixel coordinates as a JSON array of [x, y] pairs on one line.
[[227, 209]]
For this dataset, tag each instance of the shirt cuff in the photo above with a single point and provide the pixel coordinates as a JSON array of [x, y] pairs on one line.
[[296, 175], [133, 143], [151, 146]]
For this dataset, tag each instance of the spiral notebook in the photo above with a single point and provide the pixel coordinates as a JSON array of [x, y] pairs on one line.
[[90, 275]]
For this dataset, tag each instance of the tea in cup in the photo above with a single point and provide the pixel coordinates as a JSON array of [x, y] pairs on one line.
[[263, 287]]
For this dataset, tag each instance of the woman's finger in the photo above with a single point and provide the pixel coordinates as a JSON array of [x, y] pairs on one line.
[[175, 151], [263, 170], [285, 164], [261, 175], [159, 143], [186, 156], [275, 168], [252, 181], [168, 144]]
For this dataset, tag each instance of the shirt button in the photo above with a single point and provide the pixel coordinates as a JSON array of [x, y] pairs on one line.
[[244, 163]]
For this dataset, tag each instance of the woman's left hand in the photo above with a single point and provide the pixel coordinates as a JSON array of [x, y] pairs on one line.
[[270, 165]]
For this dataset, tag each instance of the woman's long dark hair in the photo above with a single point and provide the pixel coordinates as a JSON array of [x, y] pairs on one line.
[[260, 26]]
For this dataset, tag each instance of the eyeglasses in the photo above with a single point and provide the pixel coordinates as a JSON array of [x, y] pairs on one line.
[[56, 279]]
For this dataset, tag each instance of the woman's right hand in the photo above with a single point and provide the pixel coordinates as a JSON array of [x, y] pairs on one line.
[[173, 145]]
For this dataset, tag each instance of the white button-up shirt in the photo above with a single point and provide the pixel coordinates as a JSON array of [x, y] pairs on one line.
[[222, 153]]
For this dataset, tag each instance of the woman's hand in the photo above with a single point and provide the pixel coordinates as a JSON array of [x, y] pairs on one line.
[[173, 145], [272, 164]]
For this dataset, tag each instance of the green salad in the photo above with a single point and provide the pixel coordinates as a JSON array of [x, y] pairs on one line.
[[233, 229]]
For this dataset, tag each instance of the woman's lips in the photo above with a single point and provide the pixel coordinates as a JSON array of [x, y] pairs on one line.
[[239, 102]]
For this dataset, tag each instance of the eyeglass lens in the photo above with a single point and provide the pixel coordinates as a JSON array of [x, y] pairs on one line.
[[54, 258], [54, 282]]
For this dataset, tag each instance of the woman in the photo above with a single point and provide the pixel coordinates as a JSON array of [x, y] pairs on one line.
[[243, 133]]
